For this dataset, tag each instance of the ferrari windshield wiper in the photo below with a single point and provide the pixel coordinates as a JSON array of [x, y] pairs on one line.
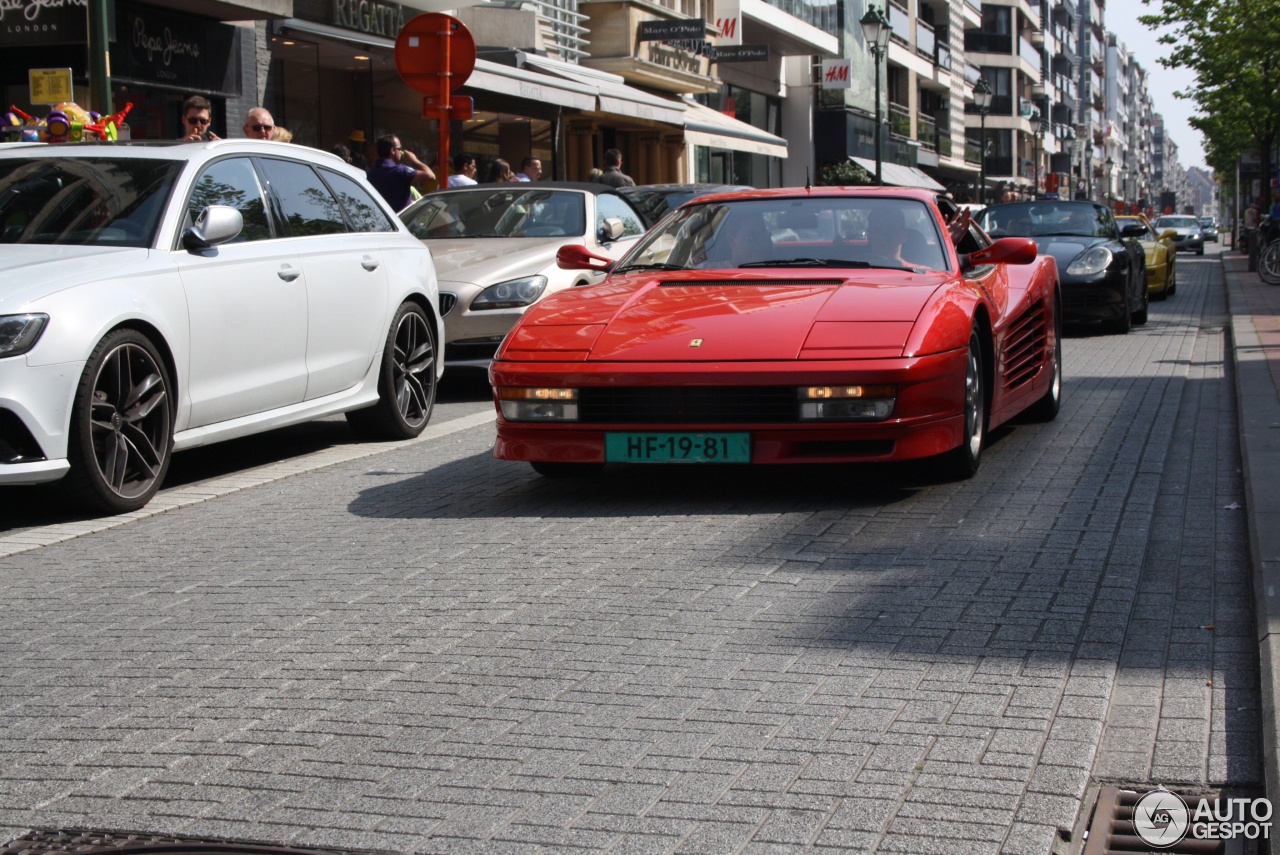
[[828, 262], [656, 266], [797, 262]]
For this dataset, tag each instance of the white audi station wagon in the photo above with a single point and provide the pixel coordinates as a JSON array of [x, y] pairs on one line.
[[162, 296]]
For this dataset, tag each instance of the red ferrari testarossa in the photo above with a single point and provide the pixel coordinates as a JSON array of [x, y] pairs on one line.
[[831, 324]]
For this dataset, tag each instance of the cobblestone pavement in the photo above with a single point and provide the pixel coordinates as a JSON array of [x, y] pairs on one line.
[[429, 650]]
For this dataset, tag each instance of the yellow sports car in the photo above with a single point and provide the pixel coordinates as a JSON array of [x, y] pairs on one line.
[[1162, 256]]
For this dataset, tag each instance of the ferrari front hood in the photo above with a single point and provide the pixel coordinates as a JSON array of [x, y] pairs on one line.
[[707, 320]]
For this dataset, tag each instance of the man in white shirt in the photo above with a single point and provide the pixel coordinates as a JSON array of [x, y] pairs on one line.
[[464, 170]]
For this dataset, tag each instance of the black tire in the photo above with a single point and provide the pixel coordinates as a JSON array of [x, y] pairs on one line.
[[565, 470], [1171, 285], [1046, 409], [1140, 316], [406, 381], [1200, 251], [962, 462], [1269, 263], [120, 439]]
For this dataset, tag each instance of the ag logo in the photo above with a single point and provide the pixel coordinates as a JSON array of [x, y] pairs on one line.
[[1161, 818]]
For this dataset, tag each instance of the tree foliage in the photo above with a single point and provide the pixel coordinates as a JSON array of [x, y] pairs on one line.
[[1234, 49]]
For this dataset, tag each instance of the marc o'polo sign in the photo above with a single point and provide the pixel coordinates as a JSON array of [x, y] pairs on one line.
[[741, 53], [659, 31]]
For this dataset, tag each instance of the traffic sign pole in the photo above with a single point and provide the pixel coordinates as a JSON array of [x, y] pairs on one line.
[[435, 54]]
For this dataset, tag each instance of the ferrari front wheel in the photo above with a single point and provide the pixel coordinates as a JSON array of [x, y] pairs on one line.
[[963, 461]]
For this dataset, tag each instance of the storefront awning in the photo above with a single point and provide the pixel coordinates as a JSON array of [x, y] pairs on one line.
[[899, 175], [522, 83], [614, 95], [705, 126]]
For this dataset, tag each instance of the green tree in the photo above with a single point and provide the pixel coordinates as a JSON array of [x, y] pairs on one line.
[[1234, 49]]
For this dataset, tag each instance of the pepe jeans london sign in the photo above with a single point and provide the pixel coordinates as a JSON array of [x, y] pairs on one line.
[[169, 47], [42, 22]]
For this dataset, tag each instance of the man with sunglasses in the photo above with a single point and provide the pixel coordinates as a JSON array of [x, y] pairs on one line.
[[258, 125], [196, 118]]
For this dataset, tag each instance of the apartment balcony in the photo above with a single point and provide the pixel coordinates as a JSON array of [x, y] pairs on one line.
[[1029, 53], [900, 121], [927, 133], [926, 42], [972, 151], [980, 42], [900, 20], [942, 56]]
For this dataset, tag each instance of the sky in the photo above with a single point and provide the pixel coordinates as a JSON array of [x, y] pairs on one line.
[[1121, 18]]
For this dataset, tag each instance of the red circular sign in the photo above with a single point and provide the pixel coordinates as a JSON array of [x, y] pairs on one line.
[[420, 52]]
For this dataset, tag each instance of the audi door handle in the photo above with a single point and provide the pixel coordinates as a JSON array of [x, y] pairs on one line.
[[288, 272], [370, 264]]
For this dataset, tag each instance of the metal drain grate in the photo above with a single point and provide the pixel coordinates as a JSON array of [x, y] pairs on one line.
[[1111, 832], [47, 841]]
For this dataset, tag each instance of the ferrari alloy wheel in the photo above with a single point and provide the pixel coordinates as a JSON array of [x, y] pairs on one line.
[[121, 433], [962, 462], [565, 470], [406, 382]]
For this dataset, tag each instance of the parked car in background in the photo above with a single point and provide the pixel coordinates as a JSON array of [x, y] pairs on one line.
[[655, 201], [1102, 266], [1161, 255], [831, 324], [495, 251], [1209, 228], [1187, 234], [164, 296]]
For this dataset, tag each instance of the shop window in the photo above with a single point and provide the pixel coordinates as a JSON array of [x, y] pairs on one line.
[[232, 183], [308, 206], [362, 211]]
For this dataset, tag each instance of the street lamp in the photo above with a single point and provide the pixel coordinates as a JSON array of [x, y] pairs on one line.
[[876, 30], [982, 97]]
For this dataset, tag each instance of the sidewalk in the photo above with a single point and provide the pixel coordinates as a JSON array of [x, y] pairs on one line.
[[1255, 343]]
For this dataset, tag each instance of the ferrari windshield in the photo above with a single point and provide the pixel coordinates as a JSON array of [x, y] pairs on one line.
[[79, 200], [502, 211], [812, 231], [1045, 218]]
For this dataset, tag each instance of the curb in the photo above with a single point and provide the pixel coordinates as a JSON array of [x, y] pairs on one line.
[[1259, 418], [203, 491]]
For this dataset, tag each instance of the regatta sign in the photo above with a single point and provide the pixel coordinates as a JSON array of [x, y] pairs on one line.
[[369, 16]]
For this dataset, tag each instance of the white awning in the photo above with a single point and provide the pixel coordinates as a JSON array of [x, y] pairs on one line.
[[899, 175], [705, 126], [522, 83], [615, 96]]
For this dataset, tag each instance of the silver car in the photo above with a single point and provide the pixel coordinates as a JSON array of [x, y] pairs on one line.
[[1187, 236], [495, 248]]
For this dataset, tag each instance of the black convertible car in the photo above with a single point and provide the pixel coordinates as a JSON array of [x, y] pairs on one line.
[[1101, 265]]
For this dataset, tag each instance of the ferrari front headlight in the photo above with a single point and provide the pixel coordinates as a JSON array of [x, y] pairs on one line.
[[1093, 260], [847, 403], [19, 333], [512, 294], [524, 404]]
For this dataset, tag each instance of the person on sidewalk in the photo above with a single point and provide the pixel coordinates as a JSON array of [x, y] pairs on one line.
[[196, 120], [258, 124], [613, 174], [397, 171], [464, 170], [530, 169]]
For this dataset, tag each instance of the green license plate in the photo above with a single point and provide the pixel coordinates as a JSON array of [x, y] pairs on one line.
[[677, 447]]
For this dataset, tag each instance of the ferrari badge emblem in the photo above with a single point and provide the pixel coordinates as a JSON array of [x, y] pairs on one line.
[[697, 342]]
